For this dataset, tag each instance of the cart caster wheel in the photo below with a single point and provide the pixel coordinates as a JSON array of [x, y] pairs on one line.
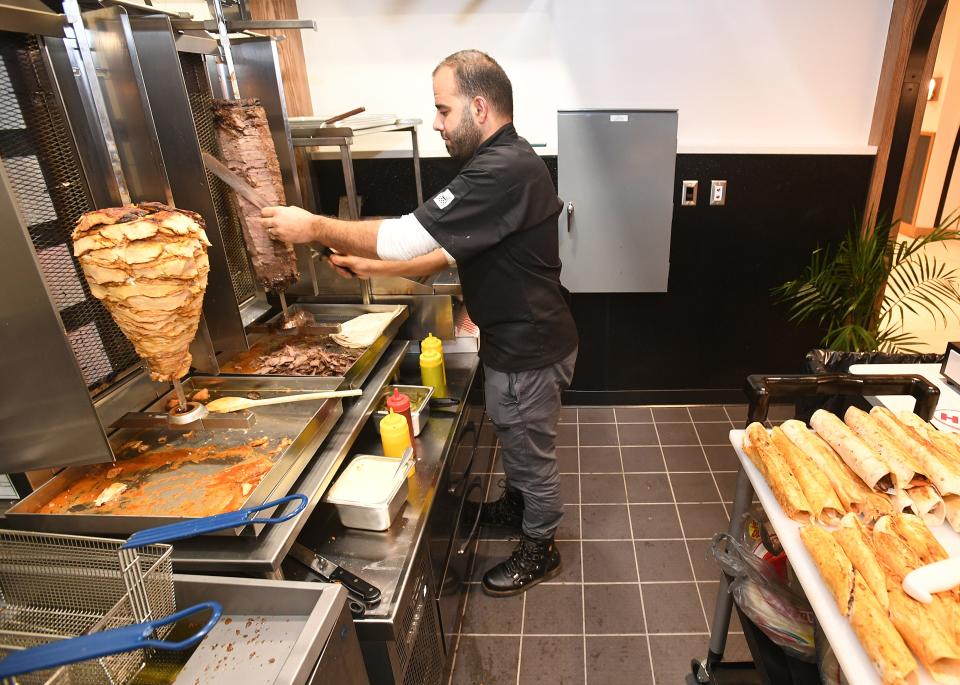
[[699, 673]]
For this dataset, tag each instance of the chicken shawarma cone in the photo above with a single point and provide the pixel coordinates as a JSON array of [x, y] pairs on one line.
[[148, 264]]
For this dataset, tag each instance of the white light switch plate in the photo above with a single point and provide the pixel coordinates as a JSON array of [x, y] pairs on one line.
[[718, 192]]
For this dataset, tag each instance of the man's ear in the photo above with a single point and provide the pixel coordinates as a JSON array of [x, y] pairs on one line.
[[479, 109]]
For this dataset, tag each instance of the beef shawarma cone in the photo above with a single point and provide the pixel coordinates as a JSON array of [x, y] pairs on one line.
[[148, 264]]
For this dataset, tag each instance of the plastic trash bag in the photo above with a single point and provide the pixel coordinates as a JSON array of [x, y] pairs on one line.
[[783, 614]]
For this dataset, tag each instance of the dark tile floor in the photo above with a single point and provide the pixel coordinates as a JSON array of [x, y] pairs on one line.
[[644, 488]]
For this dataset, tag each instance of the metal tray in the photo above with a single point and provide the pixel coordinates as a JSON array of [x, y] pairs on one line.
[[305, 424], [330, 313]]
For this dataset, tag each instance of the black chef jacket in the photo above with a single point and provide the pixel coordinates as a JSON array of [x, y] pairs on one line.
[[498, 218]]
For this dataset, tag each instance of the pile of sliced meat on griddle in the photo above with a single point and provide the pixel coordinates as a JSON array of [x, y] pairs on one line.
[[304, 356]]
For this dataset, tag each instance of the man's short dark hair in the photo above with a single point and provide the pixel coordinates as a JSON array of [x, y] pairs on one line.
[[477, 73]]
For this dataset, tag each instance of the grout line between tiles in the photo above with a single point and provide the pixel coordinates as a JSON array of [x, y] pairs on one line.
[[523, 616], [636, 560], [712, 476], [683, 532], [583, 592]]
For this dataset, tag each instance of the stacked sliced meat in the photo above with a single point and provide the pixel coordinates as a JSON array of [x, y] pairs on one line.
[[148, 264], [247, 149]]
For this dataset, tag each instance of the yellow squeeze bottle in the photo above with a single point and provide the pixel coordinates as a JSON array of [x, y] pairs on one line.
[[394, 434], [433, 344], [431, 371]]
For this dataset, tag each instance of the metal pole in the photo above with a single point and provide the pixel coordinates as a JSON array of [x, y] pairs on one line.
[[353, 205], [416, 166], [216, 9], [72, 11]]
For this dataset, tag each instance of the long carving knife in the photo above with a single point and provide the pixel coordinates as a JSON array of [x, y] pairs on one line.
[[333, 573], [237, 184]]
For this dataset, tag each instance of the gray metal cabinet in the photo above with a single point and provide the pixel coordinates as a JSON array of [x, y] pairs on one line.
[[616, 174]]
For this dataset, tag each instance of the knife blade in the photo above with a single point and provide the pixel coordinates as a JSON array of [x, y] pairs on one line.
[[331, 572], [241, 187]]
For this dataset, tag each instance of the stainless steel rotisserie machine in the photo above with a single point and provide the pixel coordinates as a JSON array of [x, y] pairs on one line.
[[109, 103]]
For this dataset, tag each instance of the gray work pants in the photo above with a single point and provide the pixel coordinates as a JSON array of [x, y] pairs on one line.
[[525, 408]]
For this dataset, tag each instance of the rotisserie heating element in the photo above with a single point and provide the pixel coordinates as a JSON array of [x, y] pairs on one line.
[[45, 175], [201, 107]]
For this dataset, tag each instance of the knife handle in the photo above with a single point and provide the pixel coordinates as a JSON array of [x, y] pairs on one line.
[[361, 588]]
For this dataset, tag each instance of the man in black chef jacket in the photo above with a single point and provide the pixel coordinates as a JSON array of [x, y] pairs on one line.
[[497, 220]]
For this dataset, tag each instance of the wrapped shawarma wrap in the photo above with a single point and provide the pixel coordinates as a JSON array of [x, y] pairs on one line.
[[824, 503], [852, 492], [770, 462], [876, 437], [855, 453], [944, 475]]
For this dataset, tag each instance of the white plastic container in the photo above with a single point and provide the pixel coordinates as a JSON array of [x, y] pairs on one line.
[[366, 495]]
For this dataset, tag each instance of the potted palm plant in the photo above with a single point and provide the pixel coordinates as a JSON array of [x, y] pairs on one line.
[[860, 289]]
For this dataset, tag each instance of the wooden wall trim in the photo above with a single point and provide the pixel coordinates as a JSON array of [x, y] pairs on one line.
[[909, 57], [293, 66]]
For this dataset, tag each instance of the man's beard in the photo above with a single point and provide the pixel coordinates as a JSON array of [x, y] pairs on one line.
[[464, 140]]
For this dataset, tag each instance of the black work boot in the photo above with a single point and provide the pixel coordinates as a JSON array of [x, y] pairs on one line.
[[532, 562], [505, 512]]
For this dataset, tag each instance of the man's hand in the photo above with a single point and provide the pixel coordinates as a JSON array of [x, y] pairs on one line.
[[349, 266], [289, 224]]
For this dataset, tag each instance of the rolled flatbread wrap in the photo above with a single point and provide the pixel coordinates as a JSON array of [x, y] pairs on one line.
[[879, 637], [952, 505], [854, 452], [929, 639], [927, 504], [851, 491], [834, 566], [770, 462], [854, 539], [882, 443], [825, 504], [924, 453]]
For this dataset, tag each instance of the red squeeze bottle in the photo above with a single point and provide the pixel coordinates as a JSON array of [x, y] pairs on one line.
[[400, 404]]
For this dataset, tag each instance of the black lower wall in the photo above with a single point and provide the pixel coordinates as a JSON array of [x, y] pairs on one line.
[[716, 323]]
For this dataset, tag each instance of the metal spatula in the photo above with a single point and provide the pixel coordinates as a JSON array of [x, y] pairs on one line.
[[227, 404]]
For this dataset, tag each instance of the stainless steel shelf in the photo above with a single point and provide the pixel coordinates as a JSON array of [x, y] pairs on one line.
[[386, 558], [264, 553]]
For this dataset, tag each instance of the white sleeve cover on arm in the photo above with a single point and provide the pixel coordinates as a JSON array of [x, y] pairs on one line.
[[405, 238]]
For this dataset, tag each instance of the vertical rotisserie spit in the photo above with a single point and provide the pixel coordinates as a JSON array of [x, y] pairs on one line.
[[247, 149], [148, 264]]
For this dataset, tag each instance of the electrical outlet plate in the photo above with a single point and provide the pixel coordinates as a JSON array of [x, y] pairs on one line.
[[688, 193], [718, 193]]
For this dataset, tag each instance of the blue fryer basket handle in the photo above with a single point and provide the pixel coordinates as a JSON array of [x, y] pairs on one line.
[[107, 642], [211, 524]]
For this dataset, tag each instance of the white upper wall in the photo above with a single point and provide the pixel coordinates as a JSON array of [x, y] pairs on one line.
[[745, 75]]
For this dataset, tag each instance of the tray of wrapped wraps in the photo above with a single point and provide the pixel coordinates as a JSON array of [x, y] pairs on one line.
[[858, 502]]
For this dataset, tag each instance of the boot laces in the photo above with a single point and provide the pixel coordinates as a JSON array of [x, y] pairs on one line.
[[525, 557]]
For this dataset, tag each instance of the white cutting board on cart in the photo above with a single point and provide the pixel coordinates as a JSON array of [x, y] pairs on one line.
[[850, 654]]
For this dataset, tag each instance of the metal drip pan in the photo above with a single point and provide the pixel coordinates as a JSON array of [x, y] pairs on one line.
[[175, 473]]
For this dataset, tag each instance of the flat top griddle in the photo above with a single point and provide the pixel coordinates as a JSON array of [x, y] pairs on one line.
[[174, 474], [248, 362]]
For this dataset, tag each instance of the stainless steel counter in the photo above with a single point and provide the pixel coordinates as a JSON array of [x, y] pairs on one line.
[[386, 559], [264, 553]]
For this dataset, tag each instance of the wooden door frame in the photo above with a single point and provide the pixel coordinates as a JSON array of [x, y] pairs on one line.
[[911, 51]]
